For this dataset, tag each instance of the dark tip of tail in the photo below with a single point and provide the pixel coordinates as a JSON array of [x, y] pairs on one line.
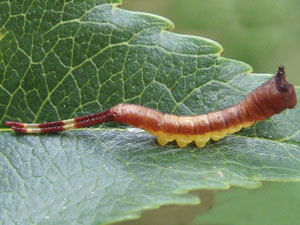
[[281, 83], [15, 124], [18, 129], [9, 123]]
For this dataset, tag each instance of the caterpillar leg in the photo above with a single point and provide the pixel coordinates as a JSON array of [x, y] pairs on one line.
[[201, 141], [163, 139], [62, 125], [183, 141]]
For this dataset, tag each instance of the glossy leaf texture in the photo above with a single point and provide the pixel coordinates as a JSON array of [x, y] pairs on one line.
[[61, 60]]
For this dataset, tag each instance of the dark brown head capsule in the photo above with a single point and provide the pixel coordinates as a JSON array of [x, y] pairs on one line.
[[283, 94]]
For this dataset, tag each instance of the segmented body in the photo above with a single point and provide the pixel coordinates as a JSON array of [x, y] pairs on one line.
[[270, 98]]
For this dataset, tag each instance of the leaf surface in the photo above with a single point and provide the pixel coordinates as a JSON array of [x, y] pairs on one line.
[[58, 61]]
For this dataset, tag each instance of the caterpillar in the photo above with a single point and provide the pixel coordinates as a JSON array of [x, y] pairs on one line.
[[272, 97]]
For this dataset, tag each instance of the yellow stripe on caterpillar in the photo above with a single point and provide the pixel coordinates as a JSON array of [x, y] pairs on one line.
[[199, 139]]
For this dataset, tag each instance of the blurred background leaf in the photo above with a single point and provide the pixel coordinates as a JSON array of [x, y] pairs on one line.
[[262, 33]]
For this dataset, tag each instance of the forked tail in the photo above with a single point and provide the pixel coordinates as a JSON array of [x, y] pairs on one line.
[[62, 125]]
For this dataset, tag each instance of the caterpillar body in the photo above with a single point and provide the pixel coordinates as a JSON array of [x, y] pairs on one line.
[[270, 98]]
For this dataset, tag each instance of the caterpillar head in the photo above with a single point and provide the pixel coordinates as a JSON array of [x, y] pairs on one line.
[[285, 89]]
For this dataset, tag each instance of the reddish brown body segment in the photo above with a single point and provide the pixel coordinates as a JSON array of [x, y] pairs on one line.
[[270, 98]]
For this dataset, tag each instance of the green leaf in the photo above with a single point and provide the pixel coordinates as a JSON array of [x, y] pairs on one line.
[[59, 61]]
